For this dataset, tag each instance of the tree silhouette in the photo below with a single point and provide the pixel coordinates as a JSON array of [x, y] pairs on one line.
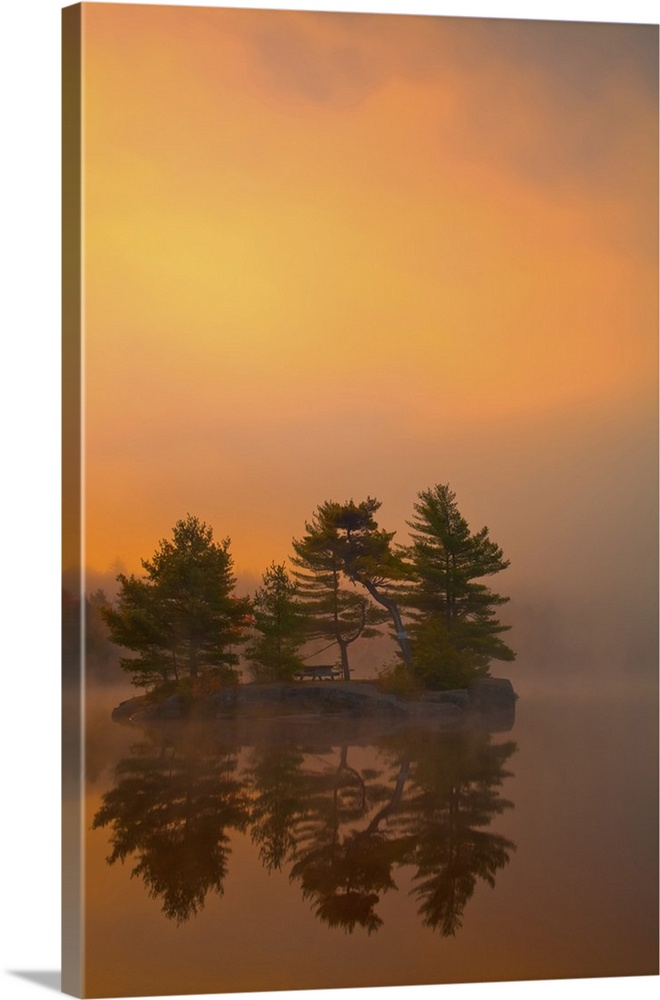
[[172, 808], [99, 656], [182, 618], [455, 631], [425, 803], [333, 611], [278, 788], [369, 558], [453, 799], [278, 625], [344, 872]]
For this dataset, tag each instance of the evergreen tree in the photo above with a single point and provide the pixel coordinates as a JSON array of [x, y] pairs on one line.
[[182, 618], [278, 624], [456, 633], [369, 558], [333, 611]]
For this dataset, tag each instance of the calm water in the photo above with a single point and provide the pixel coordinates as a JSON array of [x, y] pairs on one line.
[[259, 858]]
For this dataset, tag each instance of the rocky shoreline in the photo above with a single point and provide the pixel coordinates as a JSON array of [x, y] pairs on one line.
[[491, 702]]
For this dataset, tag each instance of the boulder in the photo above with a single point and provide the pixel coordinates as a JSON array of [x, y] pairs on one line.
[[320, 698], [460, 697], [494, 699]]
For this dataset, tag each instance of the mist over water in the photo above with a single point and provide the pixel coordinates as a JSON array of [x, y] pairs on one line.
[[573, 505], [535, 849], [577, 895]]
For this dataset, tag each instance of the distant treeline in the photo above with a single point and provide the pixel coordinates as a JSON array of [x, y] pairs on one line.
[[101, 655]]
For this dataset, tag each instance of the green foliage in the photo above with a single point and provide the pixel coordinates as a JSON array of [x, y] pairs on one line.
[[395, 678], [369, 558], [182, 618], [278, 627], [333, 611], [455, 631], [437, 662], [193, 693], [368, 555]]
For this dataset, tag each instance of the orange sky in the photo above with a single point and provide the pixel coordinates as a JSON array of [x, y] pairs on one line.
[[335, 255]]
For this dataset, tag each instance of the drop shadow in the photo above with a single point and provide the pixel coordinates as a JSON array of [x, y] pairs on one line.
[[50, 980]]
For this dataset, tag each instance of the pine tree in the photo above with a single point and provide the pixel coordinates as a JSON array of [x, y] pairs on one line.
[[456, 633], [278, 625], [182, 618], [333, 611], [369, 558]]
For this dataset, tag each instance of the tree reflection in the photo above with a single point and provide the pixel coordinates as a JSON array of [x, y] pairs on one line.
[[343, 875], [279, 790], [425, 802], [456, 797], [172, 807]]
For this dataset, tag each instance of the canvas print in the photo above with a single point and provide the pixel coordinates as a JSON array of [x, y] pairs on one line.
[[360, 500]]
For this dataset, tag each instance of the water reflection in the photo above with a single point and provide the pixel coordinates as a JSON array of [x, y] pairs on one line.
[[346, 823], [173, 807]]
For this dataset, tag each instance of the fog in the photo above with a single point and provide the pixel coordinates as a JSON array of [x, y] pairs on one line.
[[417, 252], [574, 507]]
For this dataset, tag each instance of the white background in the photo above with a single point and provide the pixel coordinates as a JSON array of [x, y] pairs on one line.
[[29, 498]]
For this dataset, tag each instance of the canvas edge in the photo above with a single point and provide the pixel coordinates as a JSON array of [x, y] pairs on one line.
[[72, 505]]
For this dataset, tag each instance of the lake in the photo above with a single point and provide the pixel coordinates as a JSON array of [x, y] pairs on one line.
[[247, 858]]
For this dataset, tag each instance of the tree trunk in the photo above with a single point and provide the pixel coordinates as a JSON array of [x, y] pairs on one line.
[[394, 802], [388, 602], [343, 649]]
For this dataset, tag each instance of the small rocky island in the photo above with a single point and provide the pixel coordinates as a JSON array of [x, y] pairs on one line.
[[192, 638], [489, 702]]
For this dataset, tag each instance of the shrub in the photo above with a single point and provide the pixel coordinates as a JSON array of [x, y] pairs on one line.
[[438, 665], [395, 678]]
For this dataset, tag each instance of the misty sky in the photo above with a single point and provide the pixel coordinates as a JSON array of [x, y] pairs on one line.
[[332, 255]]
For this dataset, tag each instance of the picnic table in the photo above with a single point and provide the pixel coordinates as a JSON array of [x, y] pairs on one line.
[[322, 672]]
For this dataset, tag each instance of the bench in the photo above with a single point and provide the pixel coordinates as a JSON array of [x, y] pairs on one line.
[[318, 673]]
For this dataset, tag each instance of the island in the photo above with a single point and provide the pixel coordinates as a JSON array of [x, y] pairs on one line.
[[202, 651], [490, 702]]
